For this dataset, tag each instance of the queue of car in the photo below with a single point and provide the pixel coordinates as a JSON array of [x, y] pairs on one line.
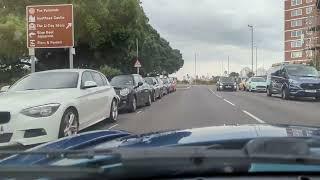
[[45, 106], [284, 79]]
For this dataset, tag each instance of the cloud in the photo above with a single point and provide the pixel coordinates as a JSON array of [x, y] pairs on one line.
[[216, 29]]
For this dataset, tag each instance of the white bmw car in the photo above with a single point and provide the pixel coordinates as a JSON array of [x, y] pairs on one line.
[[45, 106]]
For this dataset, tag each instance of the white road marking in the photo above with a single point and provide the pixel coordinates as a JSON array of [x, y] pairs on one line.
[[253, 116], [113, 126], [219, 96], [139, 112], [229, 102], [214, 93]]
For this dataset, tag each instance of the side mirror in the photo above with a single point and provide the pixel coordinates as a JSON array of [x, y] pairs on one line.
[[154, 83], [140, 84], [4, 88], [89, 84]]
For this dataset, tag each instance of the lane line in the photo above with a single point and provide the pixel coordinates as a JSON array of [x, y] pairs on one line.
[[113, 126], [139, 112], [219, 96], [229, 102], [214, 93], [253, 116]]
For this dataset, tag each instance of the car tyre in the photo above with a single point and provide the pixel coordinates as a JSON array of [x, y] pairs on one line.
[[269, 92], [149, 102], [113, 111], [317, 98], [154, 96], [69, 124], [133, 106], [285, 94]]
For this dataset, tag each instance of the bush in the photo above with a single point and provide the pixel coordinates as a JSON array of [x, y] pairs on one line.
[[109, 72]]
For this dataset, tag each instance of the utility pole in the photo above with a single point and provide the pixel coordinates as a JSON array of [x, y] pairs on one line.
[[195, 67], [222, 68], [251, 27], [137, 43], [256, 60], [228, 66]]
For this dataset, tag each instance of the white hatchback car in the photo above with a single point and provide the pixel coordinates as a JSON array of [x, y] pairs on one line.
[[47, 105]]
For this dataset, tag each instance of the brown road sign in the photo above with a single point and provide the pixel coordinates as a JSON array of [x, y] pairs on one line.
[[50, 26]]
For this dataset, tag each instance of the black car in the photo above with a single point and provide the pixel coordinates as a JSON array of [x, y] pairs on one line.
[[156, 90], [226, 83], [132, 90], [293, 80]]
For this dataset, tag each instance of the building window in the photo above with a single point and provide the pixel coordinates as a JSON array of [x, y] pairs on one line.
[[296, 33], [296, 2], [296, 12], [295, 23], [309, 1], [309, 10], [296, 54], [296, 44]]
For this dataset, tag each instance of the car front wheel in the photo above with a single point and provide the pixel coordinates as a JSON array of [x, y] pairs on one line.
[[133, 106], [269, 92], [149, 101], [285, 94], [69, 123], [113, 111]]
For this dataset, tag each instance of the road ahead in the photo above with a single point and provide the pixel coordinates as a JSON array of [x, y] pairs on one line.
[[200, 106]]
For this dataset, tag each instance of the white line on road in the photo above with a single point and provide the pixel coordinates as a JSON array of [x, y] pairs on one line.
[[139, 112], [254, 117], [229, 102], [219, 96], [214, 93], [113, 126]]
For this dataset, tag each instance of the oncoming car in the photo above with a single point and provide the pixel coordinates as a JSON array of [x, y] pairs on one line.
[[226, 83], [47, 105]]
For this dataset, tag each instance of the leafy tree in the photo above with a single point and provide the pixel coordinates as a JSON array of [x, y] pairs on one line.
[[109, 72], [234, 74], [250, 74]]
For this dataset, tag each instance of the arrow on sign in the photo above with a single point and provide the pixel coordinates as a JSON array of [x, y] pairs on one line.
[[69, 25]]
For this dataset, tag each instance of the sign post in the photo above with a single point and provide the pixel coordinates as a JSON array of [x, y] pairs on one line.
[[50, 26], [137, 65]]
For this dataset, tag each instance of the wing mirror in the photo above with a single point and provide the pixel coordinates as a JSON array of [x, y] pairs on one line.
[[139, 84], [89, 84], [154, 83], [4, 88]]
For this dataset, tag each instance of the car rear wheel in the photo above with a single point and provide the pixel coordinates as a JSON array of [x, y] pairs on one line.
[[154, 97], [149, 100], [133, 106], [113, 111], [285, 94], [69, 123]]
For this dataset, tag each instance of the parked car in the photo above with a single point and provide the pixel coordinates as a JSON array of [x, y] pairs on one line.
[[226, 83], [156, 90], [133, 91], [257, 84], [47, 105], [293, 80], [173, 84], [166, 84], [163, 88]]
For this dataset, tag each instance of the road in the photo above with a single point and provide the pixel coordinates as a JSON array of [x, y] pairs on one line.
[[200, 106]]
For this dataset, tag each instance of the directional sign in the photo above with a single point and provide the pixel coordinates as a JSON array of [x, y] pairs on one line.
[[137, 64], [50, 26]]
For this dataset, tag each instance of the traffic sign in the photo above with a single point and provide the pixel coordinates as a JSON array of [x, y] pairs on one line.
[[137, 64], [50, 26]]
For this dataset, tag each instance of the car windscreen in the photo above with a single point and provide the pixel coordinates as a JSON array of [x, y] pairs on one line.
[[227, 80], [258, 80], [302, 71], [149, 80], [48, 80], [126, 80]]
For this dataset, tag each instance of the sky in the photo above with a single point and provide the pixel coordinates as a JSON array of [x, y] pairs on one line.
[[216, 29]]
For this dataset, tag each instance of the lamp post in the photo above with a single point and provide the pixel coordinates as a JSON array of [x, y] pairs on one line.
[[251, 27]]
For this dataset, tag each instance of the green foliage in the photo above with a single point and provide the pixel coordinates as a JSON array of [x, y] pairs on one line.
[[105, 34], [234, 74], [109, 72], [250, 74]]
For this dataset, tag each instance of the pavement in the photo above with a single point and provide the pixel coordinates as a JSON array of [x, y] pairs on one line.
[[200, 106]]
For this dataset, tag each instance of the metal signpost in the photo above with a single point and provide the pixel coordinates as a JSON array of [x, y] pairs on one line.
[[137, 65], [50, 26]]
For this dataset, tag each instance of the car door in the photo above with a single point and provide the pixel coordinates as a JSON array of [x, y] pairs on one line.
[[276, 80], [102, 97], [139, 90], [86, 101], [145, 90]]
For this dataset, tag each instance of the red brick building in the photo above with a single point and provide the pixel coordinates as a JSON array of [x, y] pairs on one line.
[[300, 40]]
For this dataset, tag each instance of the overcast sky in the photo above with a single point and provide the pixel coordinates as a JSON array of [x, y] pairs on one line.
[[216, 29]]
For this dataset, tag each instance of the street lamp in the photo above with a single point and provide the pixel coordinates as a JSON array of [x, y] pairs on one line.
[[251, 27]]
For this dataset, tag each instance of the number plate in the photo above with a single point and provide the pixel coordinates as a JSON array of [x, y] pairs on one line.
[[311, 91], [228, 86]]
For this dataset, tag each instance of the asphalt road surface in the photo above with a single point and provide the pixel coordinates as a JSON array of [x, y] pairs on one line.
[[200, 106]]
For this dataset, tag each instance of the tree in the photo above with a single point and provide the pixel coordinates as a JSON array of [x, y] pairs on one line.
[[109, 72], [105, 34], [234, 74], [250, 74]]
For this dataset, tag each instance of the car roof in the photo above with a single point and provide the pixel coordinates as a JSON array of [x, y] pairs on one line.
[[68, 70]]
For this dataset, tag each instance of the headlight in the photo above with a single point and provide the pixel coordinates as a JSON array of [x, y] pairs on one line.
[[221, 84], [124, 92], [41, 111]]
